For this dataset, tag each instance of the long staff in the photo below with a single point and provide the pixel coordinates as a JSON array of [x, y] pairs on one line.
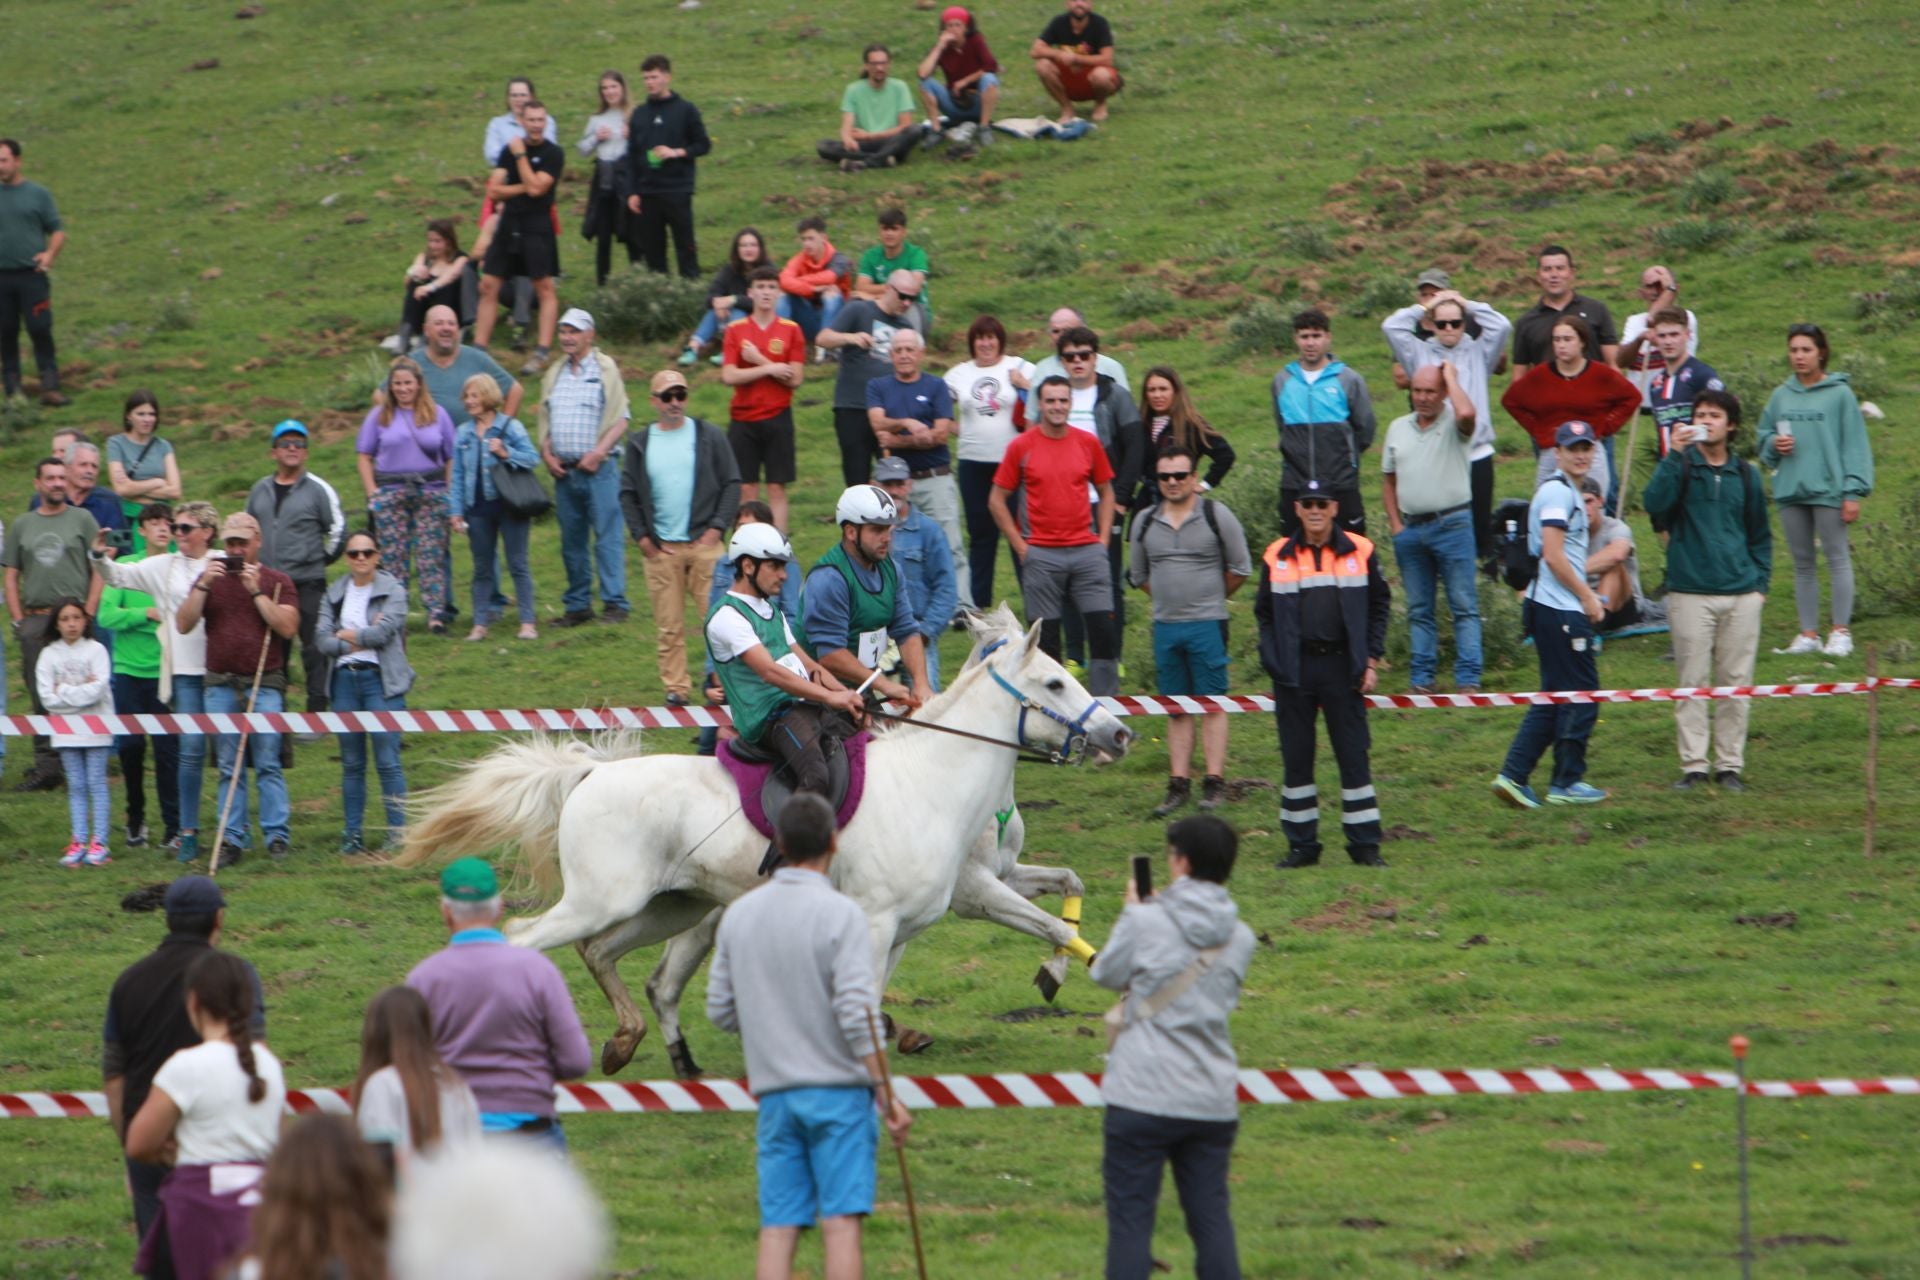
[[240, 753], [906, 1179]]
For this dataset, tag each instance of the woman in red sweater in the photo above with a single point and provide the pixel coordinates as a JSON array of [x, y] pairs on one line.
[[1572, 387]]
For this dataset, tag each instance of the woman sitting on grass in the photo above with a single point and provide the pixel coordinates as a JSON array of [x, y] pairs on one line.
[[436, 277], [406, 1095], [727, 295]]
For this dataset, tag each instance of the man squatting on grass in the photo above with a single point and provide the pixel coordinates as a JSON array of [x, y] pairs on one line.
[[793, 974]]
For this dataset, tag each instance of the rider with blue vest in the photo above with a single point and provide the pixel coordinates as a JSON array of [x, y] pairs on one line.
[[1326, 422], [778, 696], [852, 602]]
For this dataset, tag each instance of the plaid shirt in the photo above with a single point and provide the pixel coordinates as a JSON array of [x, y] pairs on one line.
[[575, 406]]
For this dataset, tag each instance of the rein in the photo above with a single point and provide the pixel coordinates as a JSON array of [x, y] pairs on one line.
[[1071, 751]]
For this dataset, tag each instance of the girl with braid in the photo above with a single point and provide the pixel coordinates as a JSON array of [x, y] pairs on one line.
[[214, 1114]]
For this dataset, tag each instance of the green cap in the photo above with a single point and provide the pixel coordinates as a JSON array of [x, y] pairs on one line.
[[469, 880]]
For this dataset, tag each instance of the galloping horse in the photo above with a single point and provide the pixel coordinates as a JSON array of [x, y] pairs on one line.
[[646, 848]]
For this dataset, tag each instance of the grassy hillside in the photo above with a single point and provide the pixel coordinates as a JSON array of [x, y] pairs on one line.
[[237, 233]]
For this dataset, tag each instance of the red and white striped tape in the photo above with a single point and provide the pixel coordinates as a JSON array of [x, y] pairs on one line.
[[596, 719], [1048, 1090]]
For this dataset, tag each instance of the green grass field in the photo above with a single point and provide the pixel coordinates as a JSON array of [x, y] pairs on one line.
[[236, 235]]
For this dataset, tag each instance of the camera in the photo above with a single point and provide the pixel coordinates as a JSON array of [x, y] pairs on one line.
[[120, 540], [236, 563]]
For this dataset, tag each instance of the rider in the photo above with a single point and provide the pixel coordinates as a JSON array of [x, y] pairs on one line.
[[852, 601], [778, 696]]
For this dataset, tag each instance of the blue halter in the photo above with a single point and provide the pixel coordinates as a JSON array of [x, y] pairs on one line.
[[1074, 749]]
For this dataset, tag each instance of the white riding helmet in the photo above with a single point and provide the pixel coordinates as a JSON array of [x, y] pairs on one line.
[[760, 542], [866, 504]]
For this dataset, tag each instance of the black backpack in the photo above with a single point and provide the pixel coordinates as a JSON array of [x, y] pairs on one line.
[[1206, 509], [1515, 565]]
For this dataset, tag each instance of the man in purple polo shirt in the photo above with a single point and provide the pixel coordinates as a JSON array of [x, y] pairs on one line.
[[502, 1016]]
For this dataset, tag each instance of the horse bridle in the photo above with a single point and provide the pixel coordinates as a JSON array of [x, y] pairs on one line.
[[1072, 751]]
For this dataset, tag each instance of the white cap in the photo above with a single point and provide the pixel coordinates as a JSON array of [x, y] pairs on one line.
[[575, 318]]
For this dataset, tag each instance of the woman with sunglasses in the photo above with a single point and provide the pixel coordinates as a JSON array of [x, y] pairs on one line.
[[363, 634], [134, 618], [406, 458], [1815, 438]]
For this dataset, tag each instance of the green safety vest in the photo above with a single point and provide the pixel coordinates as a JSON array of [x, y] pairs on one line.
[[751, 701], [872, 611]]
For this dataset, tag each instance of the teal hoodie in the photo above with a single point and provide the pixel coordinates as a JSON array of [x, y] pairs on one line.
[[1831, 460]]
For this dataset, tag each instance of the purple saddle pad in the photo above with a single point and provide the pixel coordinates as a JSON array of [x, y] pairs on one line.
[[760, 790]]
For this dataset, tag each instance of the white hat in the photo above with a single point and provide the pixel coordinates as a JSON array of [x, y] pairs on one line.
[[575, 318], [866, 504], [760, 542]]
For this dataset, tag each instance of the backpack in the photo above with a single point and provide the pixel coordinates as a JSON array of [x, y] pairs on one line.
[[1517, 563], [1206, 509]]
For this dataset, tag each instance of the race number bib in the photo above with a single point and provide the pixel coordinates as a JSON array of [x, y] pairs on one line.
[[873, 646]]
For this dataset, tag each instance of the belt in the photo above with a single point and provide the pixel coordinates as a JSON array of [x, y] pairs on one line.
[[942, 470], [1430, 516], [32, 612], [1323, 648]]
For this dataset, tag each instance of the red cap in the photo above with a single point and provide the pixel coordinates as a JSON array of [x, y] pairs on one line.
[[955, 13]]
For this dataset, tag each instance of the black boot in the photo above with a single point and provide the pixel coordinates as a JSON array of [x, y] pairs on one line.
[[1300, 855], [1366, 855], [771, 860], [1179, 791]]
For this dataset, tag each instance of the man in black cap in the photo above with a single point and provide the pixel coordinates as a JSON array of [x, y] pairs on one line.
[[147, 1021]]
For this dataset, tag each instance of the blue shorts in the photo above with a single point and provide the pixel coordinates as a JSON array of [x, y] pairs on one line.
[[1190, 657], [816, 1157]]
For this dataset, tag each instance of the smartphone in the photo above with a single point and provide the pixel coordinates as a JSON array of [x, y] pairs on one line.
[[1143, 876]]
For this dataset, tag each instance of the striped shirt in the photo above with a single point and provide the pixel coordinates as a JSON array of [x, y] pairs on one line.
[[574, 407]]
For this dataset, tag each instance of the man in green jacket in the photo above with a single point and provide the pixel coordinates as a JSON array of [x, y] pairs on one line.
[[1719, 559], [134, 618]]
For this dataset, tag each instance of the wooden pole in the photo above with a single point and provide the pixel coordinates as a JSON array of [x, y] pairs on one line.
[[906, 1179], [1873, 746], [239, 778]]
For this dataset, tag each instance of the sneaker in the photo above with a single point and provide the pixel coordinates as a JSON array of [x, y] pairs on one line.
[[1517, 794], [1578, 793], [1076, 669], [853, 166], [985, 137], [615, 616], [33, 780], [476, 635], [391, 344], [716, 360], [527, 632], [188, 848], [1179, 791], [277, 849], [574, 618], [54, 400], [1690, 782], [1839, 643], [137, 836], [172, 841], [1728, 780], [1213, 792], [535, 362], [1366, 855], [230, 856], [75, 855], [1466, 688], [1422, 690], [930, 136], [676, 699], [97, 855], [1803, 644], [688, 358], [351, 845]]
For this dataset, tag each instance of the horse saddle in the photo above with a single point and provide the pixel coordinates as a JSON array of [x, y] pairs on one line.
[[766, 783]]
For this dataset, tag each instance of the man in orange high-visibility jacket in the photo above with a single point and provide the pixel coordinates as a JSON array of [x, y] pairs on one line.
[[1322, 610]]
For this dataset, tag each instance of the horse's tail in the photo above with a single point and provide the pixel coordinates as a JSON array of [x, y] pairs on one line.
[[510, 797]]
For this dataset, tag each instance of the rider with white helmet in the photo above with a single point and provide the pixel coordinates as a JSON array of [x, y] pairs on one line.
[[853, 603], [776, 694]]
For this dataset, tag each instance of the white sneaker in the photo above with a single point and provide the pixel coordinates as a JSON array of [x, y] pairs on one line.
[[391, 344], [1839, 643], [1803, 644]]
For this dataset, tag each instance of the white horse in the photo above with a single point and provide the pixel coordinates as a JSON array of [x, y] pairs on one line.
[[647, 847]]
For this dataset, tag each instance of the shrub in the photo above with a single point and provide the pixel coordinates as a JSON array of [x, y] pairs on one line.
[[1306, 242], [1796, 230], [1886, 560], [19, 417], [1708, 189], [639, 306], [1263, 328], [1891, 309], [352, 389], [175, 314], [1048, 249], [1143, 301], [1868, 372], [1379, 295], [1691, 235]]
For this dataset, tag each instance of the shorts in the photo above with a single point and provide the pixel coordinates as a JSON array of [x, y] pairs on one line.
[[1077, 83], [1626, 615], [816, 1157], [1054, 576], [1190, 658], [764, 445], [526, 248]]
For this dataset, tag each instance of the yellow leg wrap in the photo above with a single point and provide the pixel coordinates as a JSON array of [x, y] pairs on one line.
[[1070, 913], [1082, 949]]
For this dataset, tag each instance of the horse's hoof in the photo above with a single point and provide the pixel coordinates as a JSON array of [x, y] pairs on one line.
[[912, 1041], [1048, 984], [616, 1053], [684, 1067]]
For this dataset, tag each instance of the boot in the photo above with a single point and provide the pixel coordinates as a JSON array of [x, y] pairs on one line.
[[1301, 855], [1179, 791], [1366, 855], [770, 861], [1213, 792]]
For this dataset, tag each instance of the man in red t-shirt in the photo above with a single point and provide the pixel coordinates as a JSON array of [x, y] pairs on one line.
[[762, 359], [1062, 558]]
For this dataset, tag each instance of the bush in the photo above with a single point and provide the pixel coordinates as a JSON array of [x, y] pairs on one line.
[[1380, 295], [1886, 560], [1891, 309], [19, 417], [1143, 301], [1868, 371], [1708, 189], [1690, 235], [639, 306], [1262, 329], [352, 389], [175, 314], [1796, 230], [1307, 243], [1047, 250]]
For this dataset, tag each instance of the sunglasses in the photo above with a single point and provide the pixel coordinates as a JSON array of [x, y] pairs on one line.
[[1315, 504], [185, 528], [1165, 476], [905, 297], [364, 553], [1449, 324], [290, 442], [1076, 356], [1803, 331], [673, 393]]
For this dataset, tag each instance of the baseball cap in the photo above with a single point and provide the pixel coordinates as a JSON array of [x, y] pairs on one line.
[[954, 13], [1433, 276], [888, 470], [289, 427], [240, 525], [469, 880], [193, 896], [666, 378], [575, 318], [1574, 433]]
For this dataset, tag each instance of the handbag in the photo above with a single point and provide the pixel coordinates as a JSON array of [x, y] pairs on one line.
[[520, 492], [1116, 1018]]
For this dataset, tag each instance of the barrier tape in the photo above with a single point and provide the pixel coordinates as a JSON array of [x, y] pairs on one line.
[[596, 719], [1082, 1089]]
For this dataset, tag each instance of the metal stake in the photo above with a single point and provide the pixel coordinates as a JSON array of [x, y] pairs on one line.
[[1739, 1046]]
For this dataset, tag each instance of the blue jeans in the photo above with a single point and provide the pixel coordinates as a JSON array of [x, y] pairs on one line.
[[709, 326], [588, 504], [1564, 640], [1441, 550], [811, 315], [189, 695], [357, 688], [86, 770], [483, 532], [140, 695], [1612, 503], [955, 113], [263, 753]]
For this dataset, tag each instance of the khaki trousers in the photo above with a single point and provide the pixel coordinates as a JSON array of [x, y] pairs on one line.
[[681, 571], [1715, 639]]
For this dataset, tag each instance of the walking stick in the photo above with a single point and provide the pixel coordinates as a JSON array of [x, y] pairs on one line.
[[239, 778], [906, 1179]]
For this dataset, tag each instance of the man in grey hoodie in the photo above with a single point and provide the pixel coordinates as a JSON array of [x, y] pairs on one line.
[[1171, 1075], [302, 529]]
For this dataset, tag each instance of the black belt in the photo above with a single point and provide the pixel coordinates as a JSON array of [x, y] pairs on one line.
[[1430, 516], [942, 470], [1323, 648]]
